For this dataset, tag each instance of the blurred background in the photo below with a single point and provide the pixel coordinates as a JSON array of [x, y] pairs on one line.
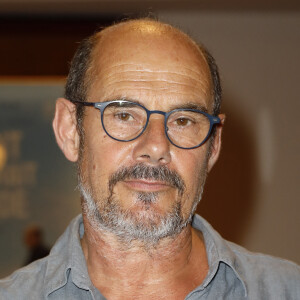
[[252, 194]]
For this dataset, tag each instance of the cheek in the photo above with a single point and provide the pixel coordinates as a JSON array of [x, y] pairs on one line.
[[191, 163], [104, 157], [192, 166]]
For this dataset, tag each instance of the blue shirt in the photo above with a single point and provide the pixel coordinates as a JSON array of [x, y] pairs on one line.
[[234, 273]]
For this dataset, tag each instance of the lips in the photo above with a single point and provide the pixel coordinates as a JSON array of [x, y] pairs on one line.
[[146, 185]]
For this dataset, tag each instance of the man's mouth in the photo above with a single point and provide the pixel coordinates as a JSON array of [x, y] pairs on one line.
[[147, 178], [146, 185]]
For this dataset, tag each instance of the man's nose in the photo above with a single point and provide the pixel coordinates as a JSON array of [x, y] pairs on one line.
[[153, 145]]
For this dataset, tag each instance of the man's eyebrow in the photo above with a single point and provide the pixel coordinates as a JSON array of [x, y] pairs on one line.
[[190, 105], [122, 98]]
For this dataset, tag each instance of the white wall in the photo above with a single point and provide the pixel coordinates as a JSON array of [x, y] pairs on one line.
[[252, 195]]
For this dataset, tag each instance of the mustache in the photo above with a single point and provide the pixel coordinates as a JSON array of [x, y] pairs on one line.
[[141, 171]]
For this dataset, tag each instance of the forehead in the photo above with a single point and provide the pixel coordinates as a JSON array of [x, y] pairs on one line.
[[148, 59]]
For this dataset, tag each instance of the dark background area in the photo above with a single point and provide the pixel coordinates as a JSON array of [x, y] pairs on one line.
[[43, 46]]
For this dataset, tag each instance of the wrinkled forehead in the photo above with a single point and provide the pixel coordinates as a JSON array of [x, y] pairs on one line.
[[148, 47]]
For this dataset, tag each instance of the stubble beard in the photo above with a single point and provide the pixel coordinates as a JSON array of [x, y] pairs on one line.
[[147, 226]]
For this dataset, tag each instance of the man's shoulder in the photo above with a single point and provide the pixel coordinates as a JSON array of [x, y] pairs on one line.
[[263, 276], [265, 273], [240, 258], [24, 282], [258, 261]]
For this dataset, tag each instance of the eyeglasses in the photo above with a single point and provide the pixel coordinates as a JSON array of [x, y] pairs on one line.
[[125, 121]]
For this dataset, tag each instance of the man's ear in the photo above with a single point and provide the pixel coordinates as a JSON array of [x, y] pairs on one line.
[[216, 144], [65, 128]]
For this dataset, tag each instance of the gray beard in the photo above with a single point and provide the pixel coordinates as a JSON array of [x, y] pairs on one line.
[[146, 226]]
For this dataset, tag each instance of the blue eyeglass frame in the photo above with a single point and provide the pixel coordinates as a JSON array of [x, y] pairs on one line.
[[214, 120]]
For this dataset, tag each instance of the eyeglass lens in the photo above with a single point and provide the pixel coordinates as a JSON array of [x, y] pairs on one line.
[[125, 121]]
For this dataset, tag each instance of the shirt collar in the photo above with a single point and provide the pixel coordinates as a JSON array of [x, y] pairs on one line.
[[67, 256], [218, 250]]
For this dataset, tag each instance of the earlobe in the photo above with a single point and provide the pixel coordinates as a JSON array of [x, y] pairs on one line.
[[65, 128], [216, 144]]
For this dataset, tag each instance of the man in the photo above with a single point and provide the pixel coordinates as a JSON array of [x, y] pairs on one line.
[[142, 120]]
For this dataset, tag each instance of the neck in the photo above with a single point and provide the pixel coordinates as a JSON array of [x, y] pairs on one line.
[[176, 264]]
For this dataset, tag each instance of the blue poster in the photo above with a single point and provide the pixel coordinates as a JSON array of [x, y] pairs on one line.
[[37, 183]]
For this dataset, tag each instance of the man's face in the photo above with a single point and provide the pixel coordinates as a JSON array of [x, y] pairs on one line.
[[147, 186]]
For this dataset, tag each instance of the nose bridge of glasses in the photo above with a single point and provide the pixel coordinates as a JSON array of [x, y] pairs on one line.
[[160, 112], [153, 112]]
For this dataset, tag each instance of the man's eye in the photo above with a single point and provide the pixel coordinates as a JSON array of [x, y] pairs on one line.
[[182, 122], [123, 116]]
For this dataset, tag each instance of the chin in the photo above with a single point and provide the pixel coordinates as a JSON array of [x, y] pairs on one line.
[[145, 220]]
